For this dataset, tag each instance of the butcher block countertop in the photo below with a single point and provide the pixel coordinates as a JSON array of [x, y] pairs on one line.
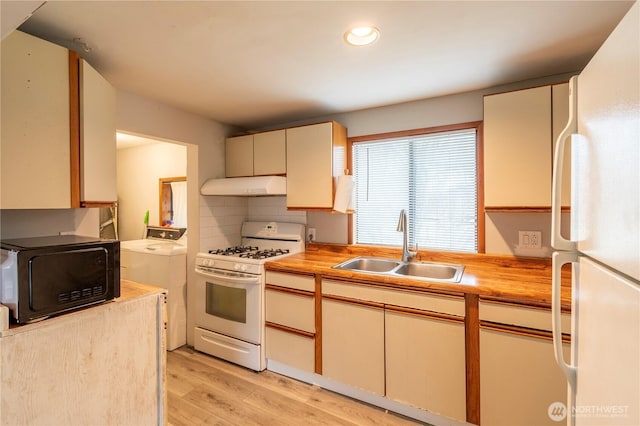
[[129, 290], [521, 280]]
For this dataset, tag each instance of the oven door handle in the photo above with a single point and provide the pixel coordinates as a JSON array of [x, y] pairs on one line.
[[227, 279]]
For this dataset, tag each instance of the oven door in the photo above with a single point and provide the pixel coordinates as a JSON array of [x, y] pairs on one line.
[[229, 303]]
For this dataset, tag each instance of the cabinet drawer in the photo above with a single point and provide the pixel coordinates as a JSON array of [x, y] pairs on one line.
[[429, 302], [291, 310], [295, 281], [521, 316], [291, 349]]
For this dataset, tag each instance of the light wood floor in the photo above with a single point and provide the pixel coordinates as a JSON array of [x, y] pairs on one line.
[[206, 390]]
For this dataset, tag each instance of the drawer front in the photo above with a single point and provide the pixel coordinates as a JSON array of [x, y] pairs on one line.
[[295, 281], [521, 316], [291, 349], [291, 310], [444, 304]]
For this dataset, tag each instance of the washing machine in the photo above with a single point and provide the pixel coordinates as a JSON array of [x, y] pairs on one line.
[[160, 259]]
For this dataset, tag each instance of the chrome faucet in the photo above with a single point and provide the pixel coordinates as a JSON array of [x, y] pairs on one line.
[[407, 255]]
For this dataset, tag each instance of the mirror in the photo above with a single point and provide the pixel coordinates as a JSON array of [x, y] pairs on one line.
[[173, 202]]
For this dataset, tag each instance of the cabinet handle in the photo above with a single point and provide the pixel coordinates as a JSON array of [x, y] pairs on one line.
[[558, 242], [559, 259]]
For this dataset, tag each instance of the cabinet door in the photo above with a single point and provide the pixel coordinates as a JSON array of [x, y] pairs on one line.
[[353, 344], [560, 106], [97, 137], [425, 363], [519, 379], [310, 166], [517, 148], [239, 156], [35, 140], [291, 349], [269, 153]]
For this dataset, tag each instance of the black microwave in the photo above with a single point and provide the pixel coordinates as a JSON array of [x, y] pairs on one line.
[[45, 276]]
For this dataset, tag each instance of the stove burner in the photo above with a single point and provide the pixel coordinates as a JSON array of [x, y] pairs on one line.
[[264, 254], [231, 251]]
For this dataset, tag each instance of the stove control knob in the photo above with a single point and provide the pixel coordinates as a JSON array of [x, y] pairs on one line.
[[240, 267], [208, 262]]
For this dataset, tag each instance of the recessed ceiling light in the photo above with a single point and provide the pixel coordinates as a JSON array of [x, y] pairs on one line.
[[361, 36]]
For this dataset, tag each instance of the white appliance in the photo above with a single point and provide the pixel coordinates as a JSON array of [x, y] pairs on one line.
[[604, 248], [246, 186], [160, 259], [230, 292]]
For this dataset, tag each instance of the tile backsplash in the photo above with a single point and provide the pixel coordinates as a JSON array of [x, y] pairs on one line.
[[274, 209], [221, 217], [220, 221]]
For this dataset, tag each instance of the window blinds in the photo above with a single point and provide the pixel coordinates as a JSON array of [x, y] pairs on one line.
[[432, 176]]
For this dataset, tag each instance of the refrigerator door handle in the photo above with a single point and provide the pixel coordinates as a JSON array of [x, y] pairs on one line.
[[559, 259], [558, 242]]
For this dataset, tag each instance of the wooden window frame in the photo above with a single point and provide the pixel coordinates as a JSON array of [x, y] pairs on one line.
[[477, 125]]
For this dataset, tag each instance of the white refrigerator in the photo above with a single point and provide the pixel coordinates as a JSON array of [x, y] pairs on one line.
[[604, 246]]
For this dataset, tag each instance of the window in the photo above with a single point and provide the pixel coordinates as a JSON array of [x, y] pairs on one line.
[[433, 175]]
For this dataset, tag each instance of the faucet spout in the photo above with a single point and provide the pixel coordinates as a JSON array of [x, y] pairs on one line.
[[407, 255]]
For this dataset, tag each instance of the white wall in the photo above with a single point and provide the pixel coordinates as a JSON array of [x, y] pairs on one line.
[[38, 223], [139, 169], [204, 139]]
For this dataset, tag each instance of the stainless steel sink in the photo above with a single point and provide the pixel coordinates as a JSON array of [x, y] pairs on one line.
[[428, 271], [437, 271], [369, 264]]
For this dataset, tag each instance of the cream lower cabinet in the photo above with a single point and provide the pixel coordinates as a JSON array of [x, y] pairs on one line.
[[290, 320], [408, 346], [519, 377], [425, 362], [353, 344]]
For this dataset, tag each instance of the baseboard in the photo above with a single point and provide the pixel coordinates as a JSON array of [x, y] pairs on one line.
[[362, 395]]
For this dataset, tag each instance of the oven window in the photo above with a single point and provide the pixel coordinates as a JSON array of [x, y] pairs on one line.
[[227, 302]]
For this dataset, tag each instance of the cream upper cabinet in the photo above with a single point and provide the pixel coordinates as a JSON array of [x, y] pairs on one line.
[[239, 156], [35, 140], [58, 128], [425, 362], [269, 153], [260, 154], [517, 148], [560, 106], [316, 154], [97, 137]]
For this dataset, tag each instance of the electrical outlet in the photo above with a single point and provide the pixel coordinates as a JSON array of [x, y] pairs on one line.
[[530, 239], [311, 234]]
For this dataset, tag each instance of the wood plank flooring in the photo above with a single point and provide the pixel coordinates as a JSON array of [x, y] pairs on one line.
[[203, 390]]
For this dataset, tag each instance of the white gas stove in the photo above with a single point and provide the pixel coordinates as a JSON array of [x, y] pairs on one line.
[[230, 290]]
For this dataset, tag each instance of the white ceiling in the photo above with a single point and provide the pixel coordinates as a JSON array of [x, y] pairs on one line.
[[255, 64]]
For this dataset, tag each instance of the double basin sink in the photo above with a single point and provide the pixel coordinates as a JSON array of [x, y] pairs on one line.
[[428, 271]]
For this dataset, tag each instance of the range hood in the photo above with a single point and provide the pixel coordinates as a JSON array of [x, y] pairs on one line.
[[246, 186]]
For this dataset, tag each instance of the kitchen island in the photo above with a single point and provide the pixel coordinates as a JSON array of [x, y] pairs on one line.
[[101, 365]]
